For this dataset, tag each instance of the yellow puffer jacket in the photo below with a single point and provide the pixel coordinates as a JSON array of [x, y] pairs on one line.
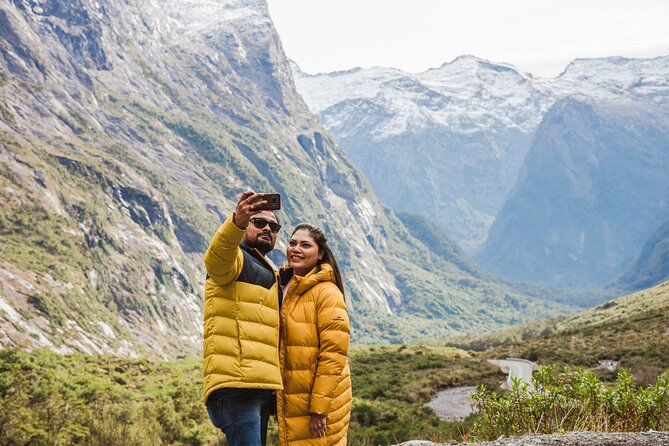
[[241, 315], [314, 360]]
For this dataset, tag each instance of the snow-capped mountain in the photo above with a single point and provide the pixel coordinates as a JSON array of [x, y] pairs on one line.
[[614, 78], [480, 90], [465, 91], [448, 143], [204, 15]]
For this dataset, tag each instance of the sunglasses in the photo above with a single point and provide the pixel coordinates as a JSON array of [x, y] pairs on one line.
[[261, 223]]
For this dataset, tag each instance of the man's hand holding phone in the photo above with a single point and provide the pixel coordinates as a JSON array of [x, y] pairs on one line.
[[272, 202], [252, 203]]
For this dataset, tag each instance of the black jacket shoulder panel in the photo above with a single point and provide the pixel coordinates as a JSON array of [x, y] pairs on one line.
[[255, 270]]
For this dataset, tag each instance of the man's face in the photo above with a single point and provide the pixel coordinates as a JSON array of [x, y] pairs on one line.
[[262, 239]]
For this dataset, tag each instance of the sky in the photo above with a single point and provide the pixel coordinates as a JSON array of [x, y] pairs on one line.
[[536, 36]]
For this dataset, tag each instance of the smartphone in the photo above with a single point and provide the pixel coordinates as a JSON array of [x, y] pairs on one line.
[[273, 202]]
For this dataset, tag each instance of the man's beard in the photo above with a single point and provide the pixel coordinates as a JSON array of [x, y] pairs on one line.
[[261, 244]]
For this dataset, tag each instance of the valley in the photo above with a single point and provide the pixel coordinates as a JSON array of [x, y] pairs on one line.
[[478, 213], [151, 401], [535, 177]]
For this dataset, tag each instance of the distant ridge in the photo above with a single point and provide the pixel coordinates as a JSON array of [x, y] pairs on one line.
[[652, 266], [449, 143]]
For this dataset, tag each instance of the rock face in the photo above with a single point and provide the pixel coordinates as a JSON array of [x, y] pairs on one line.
[[127, 132], [450, 144], [592, 191]]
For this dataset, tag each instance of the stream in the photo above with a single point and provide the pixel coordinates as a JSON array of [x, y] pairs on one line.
[[453, 404]]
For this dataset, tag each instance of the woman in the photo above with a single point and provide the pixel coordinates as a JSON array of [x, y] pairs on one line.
[[314, 408]]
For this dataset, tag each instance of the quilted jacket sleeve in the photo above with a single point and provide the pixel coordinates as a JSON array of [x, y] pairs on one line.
[[224, 258], [333, 333]]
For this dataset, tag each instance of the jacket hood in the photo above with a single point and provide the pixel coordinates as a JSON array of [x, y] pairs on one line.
[[321, 273]]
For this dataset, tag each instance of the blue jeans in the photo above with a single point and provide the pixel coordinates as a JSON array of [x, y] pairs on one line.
[[242, 414]]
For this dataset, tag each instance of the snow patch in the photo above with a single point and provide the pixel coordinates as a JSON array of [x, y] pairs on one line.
[[84, 343], [6, 276], [201, 15], [378, 298], [127, 350], [470, 94]]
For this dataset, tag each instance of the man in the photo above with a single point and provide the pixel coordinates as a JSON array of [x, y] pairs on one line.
[[241, 323]]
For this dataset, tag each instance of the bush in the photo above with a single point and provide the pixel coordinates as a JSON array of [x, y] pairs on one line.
[[568, 401]]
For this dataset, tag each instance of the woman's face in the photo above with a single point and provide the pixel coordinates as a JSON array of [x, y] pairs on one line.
[[302, 252]]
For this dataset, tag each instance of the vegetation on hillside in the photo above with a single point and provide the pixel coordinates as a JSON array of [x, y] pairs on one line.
[[631, 332], [652, 265], [85, 263], [436, 240], [622, 346], [391, 386], [52, 399]]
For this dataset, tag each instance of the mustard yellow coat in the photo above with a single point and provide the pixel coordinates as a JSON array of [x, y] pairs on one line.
[[313, 353], [241, 315]]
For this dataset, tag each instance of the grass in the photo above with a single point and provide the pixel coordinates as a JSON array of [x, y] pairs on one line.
[[53, 399]]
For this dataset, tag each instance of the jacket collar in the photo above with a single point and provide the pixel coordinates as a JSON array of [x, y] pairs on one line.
[[257, 254], [321, 273]]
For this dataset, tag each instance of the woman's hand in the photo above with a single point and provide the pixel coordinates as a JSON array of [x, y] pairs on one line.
[[319, 425]]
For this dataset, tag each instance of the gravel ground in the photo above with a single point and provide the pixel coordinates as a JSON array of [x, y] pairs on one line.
[[651, 438]]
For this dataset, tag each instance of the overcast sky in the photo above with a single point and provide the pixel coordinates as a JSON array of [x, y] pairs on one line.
[[537, 36]]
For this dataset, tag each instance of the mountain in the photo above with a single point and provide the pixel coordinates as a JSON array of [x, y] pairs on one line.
[[593, 189], [652, 265], [449, 143], [127, 132], [452, 136]]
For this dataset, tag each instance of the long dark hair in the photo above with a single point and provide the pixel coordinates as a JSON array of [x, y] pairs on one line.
[[328, 256]]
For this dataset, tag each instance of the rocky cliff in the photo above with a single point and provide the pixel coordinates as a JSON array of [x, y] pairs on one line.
[[128, 130], [592, 191]]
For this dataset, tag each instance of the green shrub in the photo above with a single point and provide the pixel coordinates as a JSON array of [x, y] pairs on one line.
[[567, 401]]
